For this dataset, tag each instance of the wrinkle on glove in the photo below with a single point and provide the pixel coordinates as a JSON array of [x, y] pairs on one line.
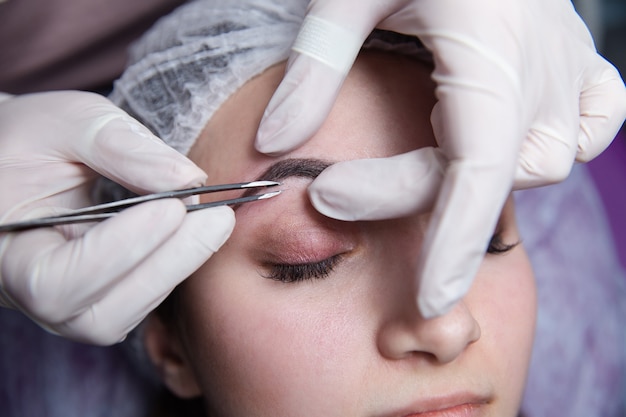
[[522, 94], [52, 148]]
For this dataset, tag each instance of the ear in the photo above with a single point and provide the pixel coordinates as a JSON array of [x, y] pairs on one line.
[[168, 356]]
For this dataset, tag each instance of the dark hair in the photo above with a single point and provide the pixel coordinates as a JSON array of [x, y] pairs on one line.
[[168, 405]]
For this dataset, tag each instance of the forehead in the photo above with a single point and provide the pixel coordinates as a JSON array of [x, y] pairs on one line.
[[383, 109]]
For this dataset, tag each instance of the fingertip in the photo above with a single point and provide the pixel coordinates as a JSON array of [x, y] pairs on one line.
[[275, 136], [212, 227], [327, 197], [379, 188], [546, 157], [602, 111], [322, 55], [287, 127], [431, 307], [221, 218], [299, 106], [439, 293], [453, 247], [439, 286]]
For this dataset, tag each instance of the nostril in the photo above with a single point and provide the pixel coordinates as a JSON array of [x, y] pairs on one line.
[[443, 338], [395, 341]]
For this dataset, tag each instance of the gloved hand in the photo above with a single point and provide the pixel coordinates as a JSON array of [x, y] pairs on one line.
[[521, 93], [94, 283]]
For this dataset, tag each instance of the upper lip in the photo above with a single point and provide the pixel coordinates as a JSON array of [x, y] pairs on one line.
[[434, 404]]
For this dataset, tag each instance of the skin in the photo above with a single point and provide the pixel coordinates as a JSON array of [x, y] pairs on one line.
[[352, 343]]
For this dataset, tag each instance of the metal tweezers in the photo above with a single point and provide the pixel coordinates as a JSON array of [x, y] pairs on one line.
[[107, 210]]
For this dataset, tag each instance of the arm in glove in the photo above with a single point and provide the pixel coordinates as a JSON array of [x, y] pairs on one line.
[[94, 284], [522, 94]]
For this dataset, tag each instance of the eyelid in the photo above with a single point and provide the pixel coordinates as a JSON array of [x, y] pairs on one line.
[[497, 245], [291, 273], [303, 244]]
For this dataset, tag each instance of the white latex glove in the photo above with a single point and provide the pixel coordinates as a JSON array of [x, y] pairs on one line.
[[521, 93], [94, 283]]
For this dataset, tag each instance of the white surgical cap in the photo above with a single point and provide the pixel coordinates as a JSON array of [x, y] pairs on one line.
[[184, 68], [191, 61]]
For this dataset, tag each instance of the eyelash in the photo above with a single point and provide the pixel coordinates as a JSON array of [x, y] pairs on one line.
[[290, 273], [497, 246]]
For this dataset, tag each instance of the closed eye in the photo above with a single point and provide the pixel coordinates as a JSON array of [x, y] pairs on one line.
[[497, 246], [290, 273]]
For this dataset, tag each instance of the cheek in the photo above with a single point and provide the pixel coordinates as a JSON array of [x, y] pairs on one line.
[[503, 301], [271, 345]]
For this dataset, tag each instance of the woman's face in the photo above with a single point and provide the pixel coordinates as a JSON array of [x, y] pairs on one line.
[[302, 315]]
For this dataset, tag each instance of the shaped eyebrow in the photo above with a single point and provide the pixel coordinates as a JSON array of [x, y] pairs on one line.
[[293, 167]]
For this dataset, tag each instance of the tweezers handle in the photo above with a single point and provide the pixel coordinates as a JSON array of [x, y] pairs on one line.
[[128, 202], [93, 217]]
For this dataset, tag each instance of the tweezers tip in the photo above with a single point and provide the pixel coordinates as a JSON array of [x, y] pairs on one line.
[[269, 195], [261, 184]]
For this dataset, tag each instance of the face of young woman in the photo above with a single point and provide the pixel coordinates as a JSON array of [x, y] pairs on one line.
[[302, 315]]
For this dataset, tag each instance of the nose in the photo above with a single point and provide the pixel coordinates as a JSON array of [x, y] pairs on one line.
[[443, 338]]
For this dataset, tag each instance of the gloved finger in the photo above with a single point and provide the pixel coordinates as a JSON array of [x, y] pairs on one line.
[[323, 53], [462, 223], [382, 188], [200, 235], [548, 150], [478, 122], [573, 127], [79, 127], [299, 106], [123, 149], [602, 110], [54, 279], [545, 157]]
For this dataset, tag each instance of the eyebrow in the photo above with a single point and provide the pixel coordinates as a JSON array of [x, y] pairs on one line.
[[288, 168]]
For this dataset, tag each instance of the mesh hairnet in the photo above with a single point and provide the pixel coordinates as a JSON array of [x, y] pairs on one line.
[[191, 61]]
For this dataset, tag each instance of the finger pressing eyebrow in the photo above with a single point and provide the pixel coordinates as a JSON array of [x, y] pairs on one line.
[[293, 167]]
